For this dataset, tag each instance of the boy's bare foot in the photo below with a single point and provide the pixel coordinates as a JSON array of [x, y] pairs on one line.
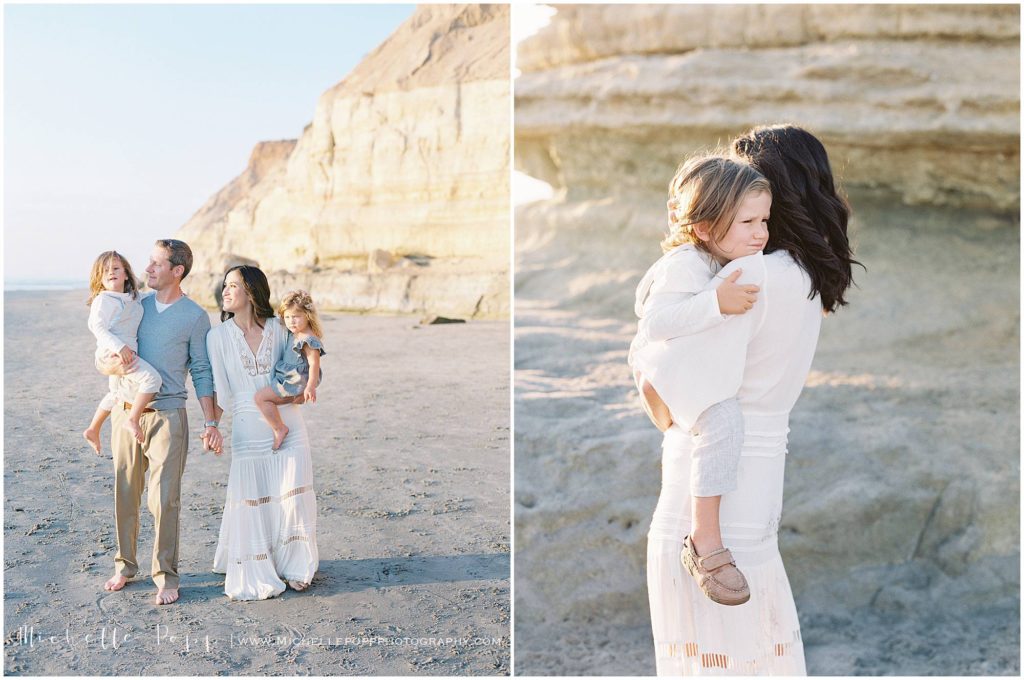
[[279, 436], [166, 596], [297, 585], [115, 582], [133, 427], [93, 437]]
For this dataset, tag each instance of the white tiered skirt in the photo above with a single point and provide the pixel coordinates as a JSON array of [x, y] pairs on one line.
[[692, 634], [268, 532]]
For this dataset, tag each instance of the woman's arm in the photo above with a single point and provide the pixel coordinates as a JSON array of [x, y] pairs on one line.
[[221, 384]]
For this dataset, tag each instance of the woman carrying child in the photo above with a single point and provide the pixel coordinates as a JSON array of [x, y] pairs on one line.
[[763, 356]]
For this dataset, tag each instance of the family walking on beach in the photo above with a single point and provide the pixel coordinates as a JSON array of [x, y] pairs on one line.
[[757, 252], [253, 366]]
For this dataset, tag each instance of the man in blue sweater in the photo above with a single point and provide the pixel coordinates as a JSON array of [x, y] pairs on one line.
[[172, 338]]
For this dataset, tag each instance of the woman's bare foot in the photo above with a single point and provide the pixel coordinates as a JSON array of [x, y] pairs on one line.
[[297, 585], [93, 437], [166, 596], [115, 582], [279, 436], [133, 427]]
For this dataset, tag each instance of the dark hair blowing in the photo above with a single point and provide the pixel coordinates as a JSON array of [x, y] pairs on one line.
[[808, 217], [256, 287]]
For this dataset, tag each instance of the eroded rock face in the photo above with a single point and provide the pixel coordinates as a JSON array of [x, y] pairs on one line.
[[902, 473], [407, 155], [923, 101]]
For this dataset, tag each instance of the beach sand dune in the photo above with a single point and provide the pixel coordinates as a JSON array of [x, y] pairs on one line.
[[410, 444]]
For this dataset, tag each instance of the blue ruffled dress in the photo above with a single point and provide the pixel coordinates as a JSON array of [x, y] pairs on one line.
[[292, 372]]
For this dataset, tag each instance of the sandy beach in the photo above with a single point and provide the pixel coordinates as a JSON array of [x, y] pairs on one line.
[[899, 525], [410, 442]]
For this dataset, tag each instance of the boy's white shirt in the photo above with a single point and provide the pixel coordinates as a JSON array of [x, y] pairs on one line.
[[671, 300], [682, 331]]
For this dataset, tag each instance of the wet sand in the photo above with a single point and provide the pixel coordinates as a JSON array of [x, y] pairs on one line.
[[410, 442]]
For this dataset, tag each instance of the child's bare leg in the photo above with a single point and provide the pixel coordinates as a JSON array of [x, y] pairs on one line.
[[267, 402], [706, 532], [655, 408], [142, 400], [92, 433]]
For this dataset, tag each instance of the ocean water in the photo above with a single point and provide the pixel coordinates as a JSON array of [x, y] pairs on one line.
[[45, 284]]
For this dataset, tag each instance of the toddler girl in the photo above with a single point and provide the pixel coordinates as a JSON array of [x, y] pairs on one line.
[[298, 374], [114, 316], [718, 212]]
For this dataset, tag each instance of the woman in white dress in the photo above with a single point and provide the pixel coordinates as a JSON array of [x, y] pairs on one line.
[[268, 532], [806, 269]]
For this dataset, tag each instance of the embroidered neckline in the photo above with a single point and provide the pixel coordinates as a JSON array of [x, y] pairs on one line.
[[260, 363]]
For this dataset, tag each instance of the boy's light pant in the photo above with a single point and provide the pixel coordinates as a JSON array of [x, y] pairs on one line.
[[718, 443], [163, 453]]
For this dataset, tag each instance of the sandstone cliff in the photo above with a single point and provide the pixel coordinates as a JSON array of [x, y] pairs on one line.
[[395, 197], [902, 474]]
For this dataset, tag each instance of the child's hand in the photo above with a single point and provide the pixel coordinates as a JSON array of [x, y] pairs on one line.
[[127, 355], [736, 298], [310, 394]]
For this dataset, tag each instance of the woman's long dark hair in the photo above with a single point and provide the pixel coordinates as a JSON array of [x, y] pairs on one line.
[[256, 287], [808, 217]]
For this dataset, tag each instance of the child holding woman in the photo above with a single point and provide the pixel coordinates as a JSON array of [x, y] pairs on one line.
[[298, 374], [718, 212], [114, 316]]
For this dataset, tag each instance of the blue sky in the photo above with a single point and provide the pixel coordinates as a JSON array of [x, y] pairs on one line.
[[120, 121]]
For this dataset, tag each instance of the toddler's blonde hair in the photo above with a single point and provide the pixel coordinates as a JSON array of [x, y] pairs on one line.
[[303, 301], [99, 268], [708, 190]]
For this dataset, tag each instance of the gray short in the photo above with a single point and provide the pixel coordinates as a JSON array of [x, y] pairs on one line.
[[718, 441]]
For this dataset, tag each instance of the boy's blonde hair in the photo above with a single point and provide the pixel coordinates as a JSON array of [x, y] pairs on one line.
[[99, 267], [303, 301], [708, 190]]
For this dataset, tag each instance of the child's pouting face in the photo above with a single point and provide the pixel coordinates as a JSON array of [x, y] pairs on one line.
[[114, 275], [295, 320], [748, 232]]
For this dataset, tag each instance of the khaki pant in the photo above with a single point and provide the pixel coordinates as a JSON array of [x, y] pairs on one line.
[[163, 453]]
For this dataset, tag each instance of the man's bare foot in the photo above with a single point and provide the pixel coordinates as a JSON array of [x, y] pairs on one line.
[[166, 596], [115, 582], [297, 585], [133, 427], [93, 437], [279, 436]]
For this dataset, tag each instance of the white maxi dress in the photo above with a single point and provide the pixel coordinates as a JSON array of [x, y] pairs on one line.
[[692, 634], [268, 532]]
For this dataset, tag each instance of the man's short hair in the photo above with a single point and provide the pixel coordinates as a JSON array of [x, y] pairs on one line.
[[179, 254]]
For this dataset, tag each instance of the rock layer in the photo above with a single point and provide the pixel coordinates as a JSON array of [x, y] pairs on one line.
[[407, 155], [903, 465], [936, 120]]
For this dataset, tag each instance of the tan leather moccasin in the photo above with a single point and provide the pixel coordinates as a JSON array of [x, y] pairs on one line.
[[716, 574]]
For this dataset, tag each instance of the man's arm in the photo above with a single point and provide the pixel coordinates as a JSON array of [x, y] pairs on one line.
[[202, 381], [113, 365]]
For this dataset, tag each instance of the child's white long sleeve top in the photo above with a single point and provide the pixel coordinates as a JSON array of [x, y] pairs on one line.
[[114, 320], [682, 334], [671, 299]]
